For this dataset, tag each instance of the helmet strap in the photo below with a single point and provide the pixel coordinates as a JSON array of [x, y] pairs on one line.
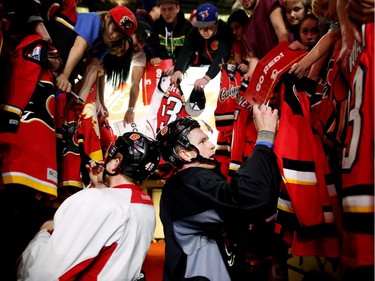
[[199, 158], [105, 173], [203, 160]]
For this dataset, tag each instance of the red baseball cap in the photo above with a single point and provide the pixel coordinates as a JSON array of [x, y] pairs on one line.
[[124, 19]]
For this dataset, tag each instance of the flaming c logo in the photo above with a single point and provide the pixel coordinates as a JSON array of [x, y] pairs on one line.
[[215, 45], [134, 137], [164, 130], [127, 23]]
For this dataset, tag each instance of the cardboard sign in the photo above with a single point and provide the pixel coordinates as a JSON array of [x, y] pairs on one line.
[[268, 71]]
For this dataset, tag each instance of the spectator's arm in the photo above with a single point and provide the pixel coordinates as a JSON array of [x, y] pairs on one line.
[[101, 108], [89, 78], [362, 11], [347, 37], [137, 73], [252, 65], [75, 55], [278, 24], [322, 48]]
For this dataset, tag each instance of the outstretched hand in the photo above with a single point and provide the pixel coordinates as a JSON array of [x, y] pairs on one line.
[[299, 69], [176, 78], [200, 83], [62, 83]]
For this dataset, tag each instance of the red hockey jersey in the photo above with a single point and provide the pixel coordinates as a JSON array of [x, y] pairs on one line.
[[358, 157], [151, 77], [300, 159], [225, 114], [29, 154]]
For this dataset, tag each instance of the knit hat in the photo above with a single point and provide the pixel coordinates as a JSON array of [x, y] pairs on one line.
[[206, 14], [124, 20], [148, 4]]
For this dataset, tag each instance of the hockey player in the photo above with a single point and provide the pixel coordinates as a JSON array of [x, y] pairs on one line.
[[100, 233], [199, 207]]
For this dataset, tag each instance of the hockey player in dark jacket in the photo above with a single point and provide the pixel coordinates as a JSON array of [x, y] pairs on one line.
[[199, 208]]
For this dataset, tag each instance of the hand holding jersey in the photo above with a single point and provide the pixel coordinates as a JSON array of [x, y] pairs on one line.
[[175, 77], [265, 118]]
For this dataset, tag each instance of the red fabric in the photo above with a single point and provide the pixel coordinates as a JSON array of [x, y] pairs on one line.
[[300, 159], [358, 159], [29, 155], [244, 133], [69, 11], [26, 63], [69, 174], [291, 144], [223, 151], [226, 101], [151, 78], [88, 125], [172, 106], [78, 121], [107, 135], [89, 269]]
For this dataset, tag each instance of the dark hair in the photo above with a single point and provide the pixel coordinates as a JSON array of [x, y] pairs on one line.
[[239, 16], [309, 15], [116, 67]]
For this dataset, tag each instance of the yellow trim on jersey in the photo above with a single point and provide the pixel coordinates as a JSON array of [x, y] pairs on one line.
[[72, 183], [64, 22], [285, 205], [298, 177], [358, 204], [96, 155], [32, 182], [12, 109]]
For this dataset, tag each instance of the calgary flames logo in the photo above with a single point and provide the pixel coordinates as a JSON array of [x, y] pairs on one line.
[[215, 45], [164, 130], [134, 137], [127, 23]]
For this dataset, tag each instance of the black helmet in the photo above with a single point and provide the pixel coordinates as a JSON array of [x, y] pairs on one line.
[[176, 133], [140, 155]]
